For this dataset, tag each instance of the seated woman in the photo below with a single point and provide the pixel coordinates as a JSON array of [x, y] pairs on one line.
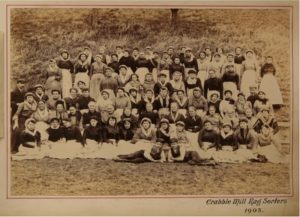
[[227, 103], [174, 115], [208, 140], [252, 120], [39, 93], [60, 112], [262, 102], [124, 76], [42, 118], [213, 117], [72, 100], [110, 139], [269, 147], [134, 83], [192, 82], [232, 117], [83, 100], [135, 100], [149, 113], [147, 98], [122, 101], [53, 75], [227, 146], [246, 141], [104, 101], [242, 104], [109, 83], [91, 112], [127, 114], [215, 101], [56, 137], [162, 82], [163, 137], [193, 122], [74, 115], [72, 145], [199, 102], [92, 137], [161, 104], [176, 82], [30, 142], [265, 118], [182, 151], [53, 99], [182, 101], [149, 82]]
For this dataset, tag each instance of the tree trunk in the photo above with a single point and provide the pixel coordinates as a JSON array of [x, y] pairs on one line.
[[174, 18]]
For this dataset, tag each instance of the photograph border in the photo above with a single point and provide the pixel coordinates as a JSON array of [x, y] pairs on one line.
[[293, 122]]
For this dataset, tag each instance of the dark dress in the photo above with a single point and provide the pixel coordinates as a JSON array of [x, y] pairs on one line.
[[73, 133], [26, 138], [193, 124], [55, 134], [92, 133]]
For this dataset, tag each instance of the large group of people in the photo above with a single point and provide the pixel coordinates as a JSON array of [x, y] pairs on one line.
[[145, 106]]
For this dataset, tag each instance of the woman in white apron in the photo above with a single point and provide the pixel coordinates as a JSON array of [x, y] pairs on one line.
[[42, 117], [97, 74], [203, 66]]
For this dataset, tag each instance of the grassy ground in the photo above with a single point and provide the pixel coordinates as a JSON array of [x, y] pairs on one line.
[[37, 35], [95, 177]]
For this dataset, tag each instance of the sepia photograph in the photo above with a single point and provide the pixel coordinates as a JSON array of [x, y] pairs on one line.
[[149, 101]]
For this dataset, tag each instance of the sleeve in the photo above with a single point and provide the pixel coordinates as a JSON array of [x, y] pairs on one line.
[[200, 138], [38, 138], [205, 88], [196, 65]]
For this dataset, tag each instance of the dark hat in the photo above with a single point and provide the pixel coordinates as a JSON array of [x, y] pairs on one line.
[[261, 91], [38, 85], [228, 91], [202, 52], [119, 46], [249, 51], [192, 71], [133, 89], [243, 119], [217, 54], [207, 121], [21, 80], [229, 65], [127, 119], [121, 88], [227, 123], [55, 90], [146, 119], [215, 93], [82, 54], [85, 89], [164, 120], [123, 66], [109, 68], [241, 94], [64, 51], [230, 54], [28, 94], [60, 102], [105, 91], [162, 74], [94, 117], [30, 120], [181, 123], [54, 119], [73, 88]]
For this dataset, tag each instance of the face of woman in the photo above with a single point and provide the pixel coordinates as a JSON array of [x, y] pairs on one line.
[[92, 106], [127, 112], [42, 106], [269, 60], [212, 74], [207, 51], [230, 59], [146, 125], [65, 55], [54, 124], [212, 110], [265, 130], [176, 76], [135, 53], [226, 129], [31, 126], [105, 95], [149, 94], [249, 55], [127, 125], [30, 99], [112, 122], [202, 55], [164, 126], [176, 60], [39, 90], [73, 93], [243, 125], [179, 128], [174, 107], [148, 78], [72, 110], [192, 112], [180, 94], [82, 58], [126, 54], [220, 50], [114, 58], [120, 92], [134, 78], [108, 73], [248, 113], [98, 59], [261, 95], [93, 122], [208, 126], [149, 107], [60, 108], [265, 114], [123, 71], [67, 123], [238, 50]]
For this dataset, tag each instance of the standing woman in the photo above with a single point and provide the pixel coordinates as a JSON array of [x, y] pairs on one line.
[[109, 83], [238, 59], [67, 69], [54, 75], [128, 61], [192, 82], [143, 66], [133, 83], [190, 62], [96, 74], [42, 118], [249, 73], [269, 83], [203, 64], [82, 68]]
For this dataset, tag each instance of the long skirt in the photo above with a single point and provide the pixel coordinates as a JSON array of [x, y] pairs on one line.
[[65, 150], [155, 73], [232, 87], [141, 73], [42, 127], [272, 154], [95, 85], [52, 84], [82, 76], [226, 155], [66, 82], [270, 86], [244, 154], [202, 75], [28, 153], [248, 79]]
